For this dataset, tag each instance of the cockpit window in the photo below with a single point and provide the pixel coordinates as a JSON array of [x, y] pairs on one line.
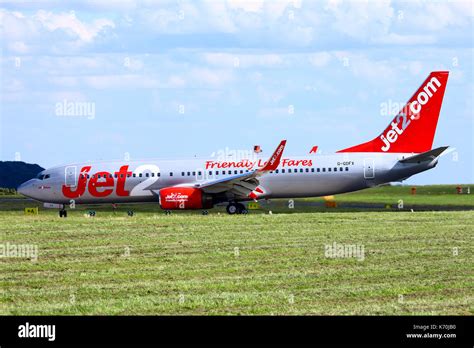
[[42, 176]]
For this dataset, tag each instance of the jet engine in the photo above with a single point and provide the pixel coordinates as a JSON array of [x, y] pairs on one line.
[[184, 198]]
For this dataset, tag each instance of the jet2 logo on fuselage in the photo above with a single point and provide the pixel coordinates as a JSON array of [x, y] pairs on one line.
[[106, 186]]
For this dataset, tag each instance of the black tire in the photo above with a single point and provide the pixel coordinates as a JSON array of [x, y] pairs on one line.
[[240, 208], [232, 209]]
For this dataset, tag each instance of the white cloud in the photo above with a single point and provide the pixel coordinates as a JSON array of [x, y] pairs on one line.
[[361, 19], [437, 15], [125, 81], [229, 60], [416, 67], [210, 77], [363, 66], [397, 39], [25, 33], [275, 112], [319, 59], [18, 47], [246, 5], [69, 23]]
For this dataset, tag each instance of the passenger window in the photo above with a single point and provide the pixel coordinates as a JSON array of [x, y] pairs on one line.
[[194, 173], [283, 171], [335, 169], [276, 171], [312, 170], [134, 175], [340, 169], [171, 173], [301, 170], [210, 173], [307, 170], [241, 172], [182, 173], [140, 175], [289, 170], [147, 175], [189, 173], [329, 169], [324, 169], [217, 172], [347, 169], [158, 174], [230, 171], [199, 173]]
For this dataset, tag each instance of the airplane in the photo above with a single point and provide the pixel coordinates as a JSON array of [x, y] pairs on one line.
[[403, 149]]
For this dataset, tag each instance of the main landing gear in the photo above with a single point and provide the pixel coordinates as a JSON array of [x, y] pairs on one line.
[[236, 208]]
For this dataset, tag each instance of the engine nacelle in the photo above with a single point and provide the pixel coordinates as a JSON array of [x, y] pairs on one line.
[[172, 198]]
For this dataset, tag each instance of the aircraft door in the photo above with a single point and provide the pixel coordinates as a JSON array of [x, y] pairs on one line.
[[70, 174], [369, 168]]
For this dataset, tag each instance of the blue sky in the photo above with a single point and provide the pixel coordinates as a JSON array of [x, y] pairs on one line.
[[184, 78]]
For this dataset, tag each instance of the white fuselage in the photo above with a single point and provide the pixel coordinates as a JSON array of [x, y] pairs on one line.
[[141, 180]]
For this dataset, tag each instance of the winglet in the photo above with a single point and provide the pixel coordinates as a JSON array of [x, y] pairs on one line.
[[274, 161]]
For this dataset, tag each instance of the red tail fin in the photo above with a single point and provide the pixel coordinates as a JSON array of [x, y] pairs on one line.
[[413, 129]]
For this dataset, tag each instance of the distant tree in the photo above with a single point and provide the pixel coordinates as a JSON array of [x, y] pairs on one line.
[[14, 173]]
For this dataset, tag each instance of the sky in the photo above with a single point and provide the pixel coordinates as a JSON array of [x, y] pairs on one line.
[[90, 80]]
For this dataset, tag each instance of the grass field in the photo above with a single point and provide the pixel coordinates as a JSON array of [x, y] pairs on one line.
[[413, 263]]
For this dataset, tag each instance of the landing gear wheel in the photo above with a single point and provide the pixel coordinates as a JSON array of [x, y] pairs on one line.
[[167, 212], [205, 212], [232, 209], [241, 208], [130, 213], [63, 213]]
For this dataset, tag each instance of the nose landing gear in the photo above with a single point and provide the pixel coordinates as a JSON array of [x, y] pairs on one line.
[[63, 213], [236, 208]]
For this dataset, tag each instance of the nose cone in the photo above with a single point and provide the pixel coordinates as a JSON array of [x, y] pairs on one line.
[[26, 189]]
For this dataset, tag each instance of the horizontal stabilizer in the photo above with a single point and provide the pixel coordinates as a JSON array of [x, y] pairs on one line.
[[425, 156]]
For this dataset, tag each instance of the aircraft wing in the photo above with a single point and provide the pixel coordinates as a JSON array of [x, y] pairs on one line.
[[425, 156], [243, 185]]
